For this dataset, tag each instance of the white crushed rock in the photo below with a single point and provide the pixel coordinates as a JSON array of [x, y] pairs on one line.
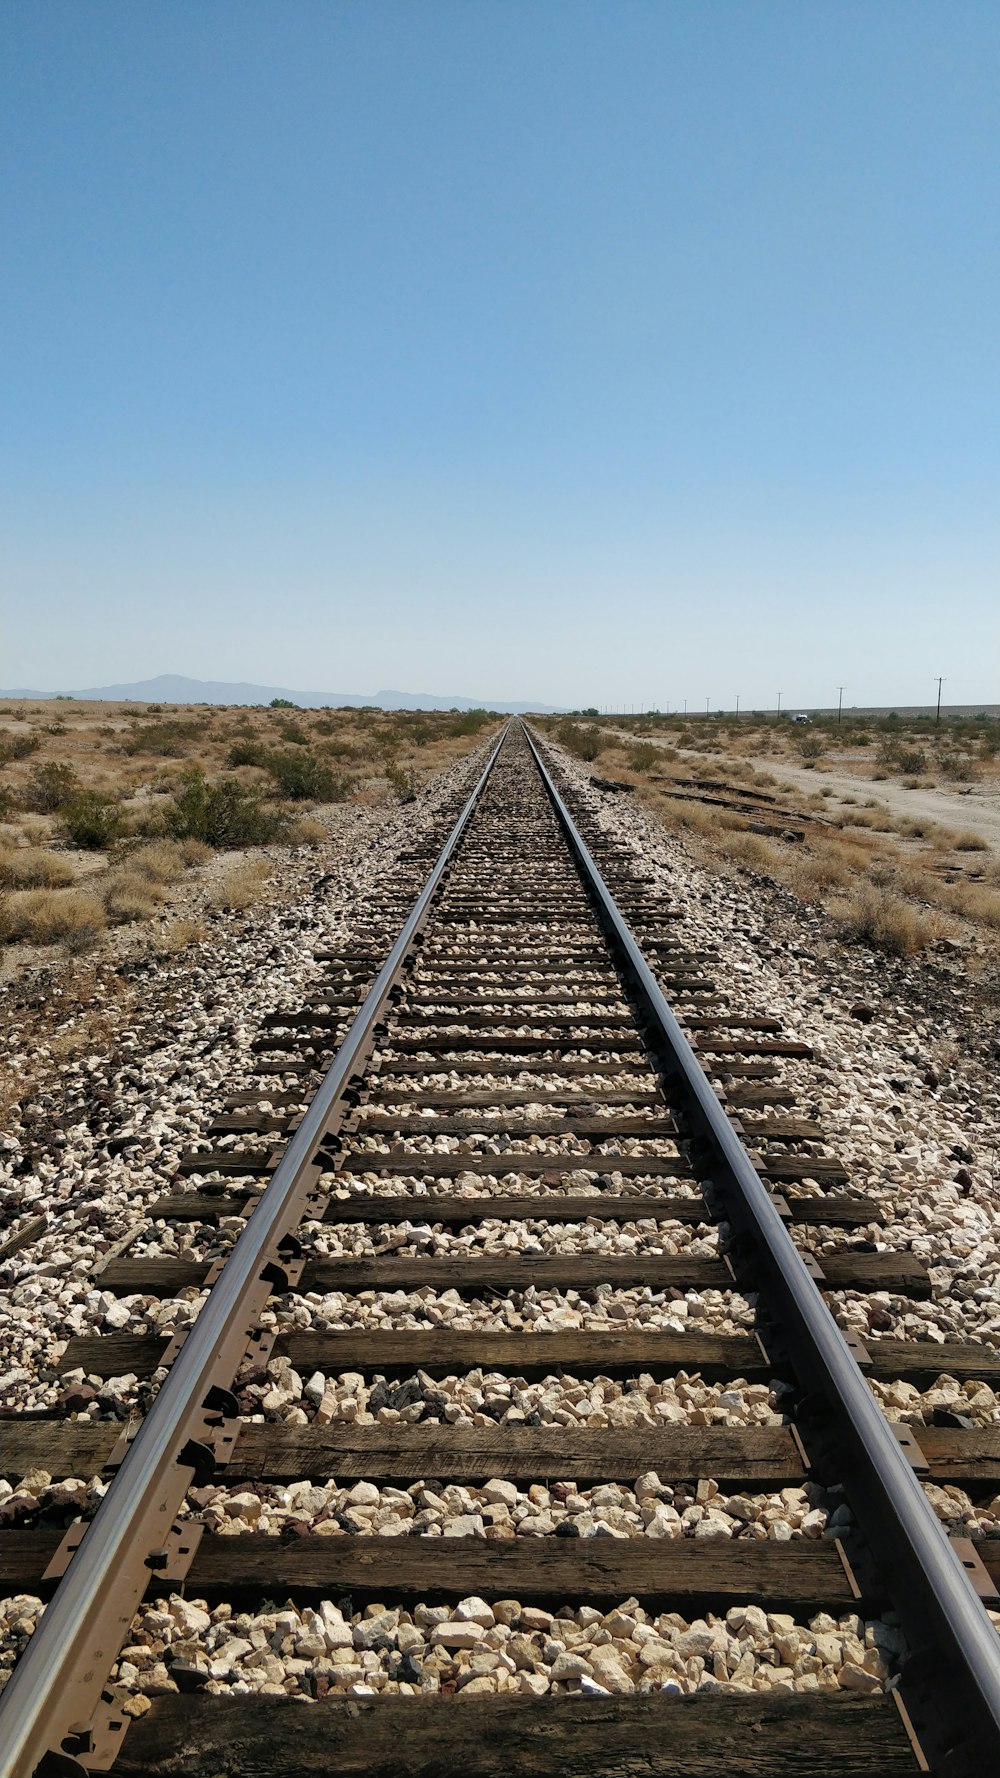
[[477, 1646], [167, 1059], [909, 1097]]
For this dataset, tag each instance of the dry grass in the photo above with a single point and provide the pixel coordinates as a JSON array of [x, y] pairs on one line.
[[976, 902], [306, 831], [895, 883], [754, 852], [178, 934], [73, 917], [134, 760], [871, 914], [33, 867], [241, 887], [130, 894]]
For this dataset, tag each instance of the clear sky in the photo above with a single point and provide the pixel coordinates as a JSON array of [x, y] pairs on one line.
[[592, 351]]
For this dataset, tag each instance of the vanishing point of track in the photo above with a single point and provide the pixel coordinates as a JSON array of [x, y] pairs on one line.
[[528, 954]]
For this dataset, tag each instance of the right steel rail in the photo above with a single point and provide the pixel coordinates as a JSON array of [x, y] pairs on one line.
[[956, 1650]]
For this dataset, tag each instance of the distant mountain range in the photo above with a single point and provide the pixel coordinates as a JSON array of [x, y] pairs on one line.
[[173, 688]]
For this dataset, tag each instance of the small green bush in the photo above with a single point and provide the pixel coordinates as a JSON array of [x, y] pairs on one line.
[[224, 814], [303, 777], [167, 739], [586, 743], [17, 747], [283, 704], [48, 787], [912, 759], [468, 722], [247, 753], [92, 820], [403, 782], [644, 757]]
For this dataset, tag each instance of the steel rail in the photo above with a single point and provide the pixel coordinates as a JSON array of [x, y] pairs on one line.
[[82, 1627], [928, 1583]]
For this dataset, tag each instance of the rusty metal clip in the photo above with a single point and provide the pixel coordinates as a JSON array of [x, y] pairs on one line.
[[94, 1746], [118, 1450], [907, 1438], [172, 1561], [857, 1348], [977, 1573], [63, 1556]]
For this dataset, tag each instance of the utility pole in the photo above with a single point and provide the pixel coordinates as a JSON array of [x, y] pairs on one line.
[[840, 700], [737, 703], [937, 718], [706, 706], [779, 703], [685, 706]]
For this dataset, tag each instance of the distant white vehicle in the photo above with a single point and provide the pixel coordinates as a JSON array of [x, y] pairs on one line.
[[800, 718]]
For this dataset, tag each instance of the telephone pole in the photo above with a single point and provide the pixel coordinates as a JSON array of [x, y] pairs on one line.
[[840, 700], [737, 703], [779, 703], [937, 718]]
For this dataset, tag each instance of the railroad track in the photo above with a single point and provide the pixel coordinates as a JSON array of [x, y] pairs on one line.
[[550, 1254]]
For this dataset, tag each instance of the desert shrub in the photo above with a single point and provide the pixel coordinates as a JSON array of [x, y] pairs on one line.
[[48, 787], [33, 867], [48, 916], [282, 704], [644, 757], [17, 747], [469, 722], [912, 759], [167, 739], [402, 781], [873, 915], [420, 733], [223, 814], [586, 743], [92, 820], [303, 777], [294, 733], [970, 842], [811, 747], [247, 753], [957, 766]]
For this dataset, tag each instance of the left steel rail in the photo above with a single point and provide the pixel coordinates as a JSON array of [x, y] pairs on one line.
[[55, 1708]]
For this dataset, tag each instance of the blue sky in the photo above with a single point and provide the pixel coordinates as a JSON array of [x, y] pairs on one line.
[[593, 352]]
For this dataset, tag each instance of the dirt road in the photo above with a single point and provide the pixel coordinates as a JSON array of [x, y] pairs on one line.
[[979, 812]]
